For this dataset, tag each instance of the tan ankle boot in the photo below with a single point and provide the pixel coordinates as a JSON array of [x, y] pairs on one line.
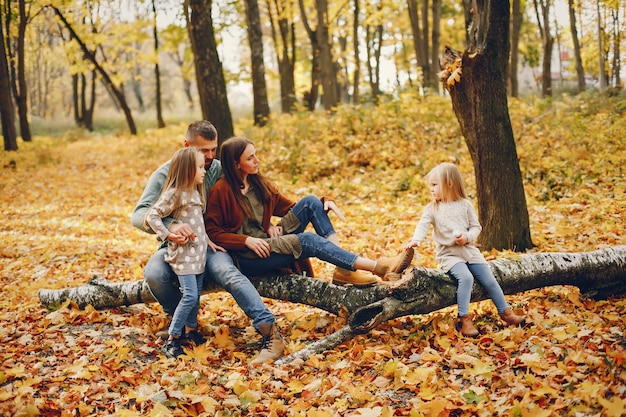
[[466, 326], [357, 278], [272, 344], [397, 264], [511, 318]]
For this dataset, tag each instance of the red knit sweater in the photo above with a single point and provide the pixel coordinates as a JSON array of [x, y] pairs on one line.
[[224, 217]]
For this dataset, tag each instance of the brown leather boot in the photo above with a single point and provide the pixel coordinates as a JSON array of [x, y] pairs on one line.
[[466, 327], [357, 278], [511, 318], [397, 264], [272, 344]]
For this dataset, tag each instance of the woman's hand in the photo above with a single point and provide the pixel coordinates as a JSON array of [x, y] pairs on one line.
[[275, 231], [258, 246], [329, 205]]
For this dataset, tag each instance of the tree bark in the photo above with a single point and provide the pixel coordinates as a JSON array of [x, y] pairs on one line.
[[21, 93], [580, 71], [157, 71], [261, 107], [598, 274], [327, 64], [7, 116], [477, 82], [516, 27], [285, 48], [209, 73]]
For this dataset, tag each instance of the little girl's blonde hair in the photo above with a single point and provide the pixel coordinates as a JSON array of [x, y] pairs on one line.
[[450, 180], [182, 173]]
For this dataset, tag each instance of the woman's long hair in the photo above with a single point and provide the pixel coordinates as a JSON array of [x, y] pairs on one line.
[[181, 175], [450, 181], [230, 154]]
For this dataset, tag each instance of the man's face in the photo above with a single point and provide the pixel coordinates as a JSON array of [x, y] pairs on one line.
[[207, 147]]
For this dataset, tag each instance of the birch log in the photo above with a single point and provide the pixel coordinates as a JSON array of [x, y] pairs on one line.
[[598, 274]]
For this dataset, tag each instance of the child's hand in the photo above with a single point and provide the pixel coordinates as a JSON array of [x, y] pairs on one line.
[[461, 239], [411, 244]]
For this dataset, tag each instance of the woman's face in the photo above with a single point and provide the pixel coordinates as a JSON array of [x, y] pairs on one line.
[[248, 163]]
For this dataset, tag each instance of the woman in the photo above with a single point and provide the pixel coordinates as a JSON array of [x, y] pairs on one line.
[[241, 205]]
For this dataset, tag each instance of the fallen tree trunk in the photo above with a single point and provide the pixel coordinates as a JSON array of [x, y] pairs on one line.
[[598, 274]]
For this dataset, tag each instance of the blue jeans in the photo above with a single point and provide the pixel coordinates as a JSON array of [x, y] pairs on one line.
[[464, 273], [308, 210], [163, 284], [186, 313]]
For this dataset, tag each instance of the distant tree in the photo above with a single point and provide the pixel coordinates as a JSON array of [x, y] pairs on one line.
[[209, 73], [261, 105], [175, 43], [601, 51], [477, 82], [580, 71], [157, 72], [17, 67], [108, 82], [516, 27], [281, 18], [6, 101], [374, 44], [356, 76], [542, 12]]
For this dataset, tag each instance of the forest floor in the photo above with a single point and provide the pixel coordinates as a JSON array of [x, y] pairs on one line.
[[67, 204]]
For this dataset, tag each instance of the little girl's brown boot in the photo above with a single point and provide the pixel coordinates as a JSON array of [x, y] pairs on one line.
[[466, 327], [511, 318]]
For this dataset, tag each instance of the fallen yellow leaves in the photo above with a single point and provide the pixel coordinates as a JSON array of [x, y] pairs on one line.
[[570, 360]]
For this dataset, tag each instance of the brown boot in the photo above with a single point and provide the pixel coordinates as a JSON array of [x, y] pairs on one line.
[[397, 264], [511, 318], [466, 326], [272, 344], [357, 278]]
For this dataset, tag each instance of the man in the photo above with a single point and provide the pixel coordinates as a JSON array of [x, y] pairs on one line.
[[162, 281]]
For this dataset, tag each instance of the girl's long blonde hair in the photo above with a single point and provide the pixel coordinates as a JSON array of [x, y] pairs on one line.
[[450, 181], [181, 176]]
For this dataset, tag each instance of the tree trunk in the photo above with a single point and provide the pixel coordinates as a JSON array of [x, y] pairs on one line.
[[261, 106], [422, 62], [284, 57], [209, 74], [599, 274], [356, 76], [601, 54], [157, 72], [542, 11], [327, 65], [477, 84], [21, 95], [7, 116], [516, 27], [580, 71], [117, 94], [313, 94], [434, 50]]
